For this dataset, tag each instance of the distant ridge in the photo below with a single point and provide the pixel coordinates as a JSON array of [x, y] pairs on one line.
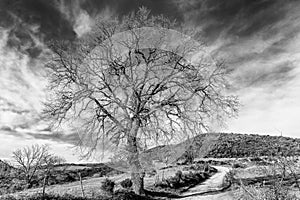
[[231, 145]]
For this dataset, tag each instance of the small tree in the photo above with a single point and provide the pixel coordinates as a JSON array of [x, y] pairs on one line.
[[32, 159], [189, 155], [131, 82]]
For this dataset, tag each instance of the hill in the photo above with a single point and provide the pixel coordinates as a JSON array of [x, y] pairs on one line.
[[244, 145], [228, 145]]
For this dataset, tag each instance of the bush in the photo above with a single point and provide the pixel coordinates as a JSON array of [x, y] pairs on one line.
[[238, 165], [183, 180], [108, 185], [178, 174], [152, 173], [188, 156], [127, 183]]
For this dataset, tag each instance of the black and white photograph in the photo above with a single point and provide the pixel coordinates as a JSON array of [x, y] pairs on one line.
[[149, 99]]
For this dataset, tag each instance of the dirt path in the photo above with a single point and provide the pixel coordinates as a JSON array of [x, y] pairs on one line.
[[211, 188]]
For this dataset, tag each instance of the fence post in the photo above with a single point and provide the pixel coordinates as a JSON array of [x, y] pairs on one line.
[[81, 186], [44, 186]]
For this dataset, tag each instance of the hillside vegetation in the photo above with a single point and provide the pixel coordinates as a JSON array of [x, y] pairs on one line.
[[228, 145], [243, 145]]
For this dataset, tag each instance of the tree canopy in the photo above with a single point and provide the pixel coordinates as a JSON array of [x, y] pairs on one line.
[[138, 82]]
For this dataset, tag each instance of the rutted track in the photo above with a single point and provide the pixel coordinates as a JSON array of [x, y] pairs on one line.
[[214, 186]]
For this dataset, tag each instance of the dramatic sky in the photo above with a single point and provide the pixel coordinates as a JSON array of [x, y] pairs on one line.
[[259, 39]]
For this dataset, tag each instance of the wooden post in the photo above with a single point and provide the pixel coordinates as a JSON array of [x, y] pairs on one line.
[[81, 186], [44, 186], [156, 179]]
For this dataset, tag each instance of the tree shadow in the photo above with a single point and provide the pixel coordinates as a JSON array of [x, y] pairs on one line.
[[161, 194]]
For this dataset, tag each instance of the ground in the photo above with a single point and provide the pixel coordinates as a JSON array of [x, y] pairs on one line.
[[216, 187]]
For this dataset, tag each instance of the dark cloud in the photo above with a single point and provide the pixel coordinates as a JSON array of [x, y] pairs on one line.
[[123, 7], [71, 138], [6, 128], [8, 131], [26, 19], [21, 38], [251, 35], [240, 18], [54, 20], [256, 15], [43, 13], [6, 19]]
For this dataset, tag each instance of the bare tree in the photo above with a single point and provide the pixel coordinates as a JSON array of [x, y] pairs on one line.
[[48, 167], [33, 158], [120, 90]]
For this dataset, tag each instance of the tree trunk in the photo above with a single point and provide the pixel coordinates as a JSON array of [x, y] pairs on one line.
[[137, 174], [138, 183], [28, 181]]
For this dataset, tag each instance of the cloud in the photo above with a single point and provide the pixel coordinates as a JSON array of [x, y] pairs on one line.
[[21, 85], [122, 7], [40, 12], [46, 134], [83, 24], [258, 39], [281, 74], [71, 138], [12, 140], [237, 17]]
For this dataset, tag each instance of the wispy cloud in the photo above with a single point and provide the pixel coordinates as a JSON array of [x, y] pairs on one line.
[[21, 85], [259, 40]]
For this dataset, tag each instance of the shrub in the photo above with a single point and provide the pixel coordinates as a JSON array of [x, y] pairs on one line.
[[183, 180], [152, 173], [264, 193], [209, 169], [108, 185], [127, 183], [256, 159], [188, 156], [178, 174], [173, 182], [238, 165]]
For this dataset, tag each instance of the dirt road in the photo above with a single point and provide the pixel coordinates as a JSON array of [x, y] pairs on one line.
[[210, 189]]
